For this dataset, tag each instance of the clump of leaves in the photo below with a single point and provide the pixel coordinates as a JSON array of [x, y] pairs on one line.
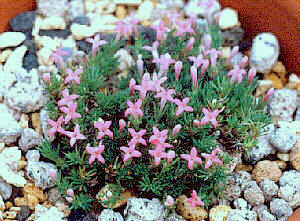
[[235, 127]]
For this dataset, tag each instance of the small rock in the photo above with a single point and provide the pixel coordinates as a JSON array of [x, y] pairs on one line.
[[280, 208], [175, 217], [145, 10], [24, 213], [5, 189], [33, 155], [29, 139], [295, 156], [228, 18], [276, 81], [82, 20], [80, 32], [263, 213], [232, 37], [219, 213], [8, 205], [9, 215], [11, 156], [286, 192], [247, 168], [54, 196], [144, 209], [53, 214], [292, 178], [184, 209], [108, 215], [76, 8], [24, 121], [15, 59], [279, 68], [264, 52], [121, 12], [62, 207], [269, 189], [281, 164], [254, 196], [11, 39], [52, 22], [49, 8], [10, 177], [241, 204], [241, 215], [283, 156], [263, 87], [266, 170], [61, 34], [23, 22], [294, 82]]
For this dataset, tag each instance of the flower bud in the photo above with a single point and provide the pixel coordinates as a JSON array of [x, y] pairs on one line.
[[46, 78], [190, 44], [207, 41], [269, 94], [196, 123], [70, 193], [251, 75], [52, 174], [178, 67], [176, 130], [140, 66], [122, 125], [194, 77], [132, 83], [169, 201], [243, 61]]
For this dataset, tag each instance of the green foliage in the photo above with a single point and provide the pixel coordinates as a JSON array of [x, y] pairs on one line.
[[104, 96]]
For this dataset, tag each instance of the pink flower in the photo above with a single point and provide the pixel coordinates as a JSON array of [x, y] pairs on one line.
[[190, 44], [140, 65], [165, 96], [145, 86], [193, 19], [69, 199], [243, 61], [159, 136], [207, 41], [170, 156], [269, 94], [182, 106], [217, 17], [237, 74], [196, 123], [75, 135], [123, 29], [67, 98], [52, 174], [56, 126], [73, 76], [70, 110], [96, 42], [103, 127], [210, 117], [164, 61], [157, 81], [184, 27], [96, 153], [208, 8], [46, 78], [169, 201], [160, 30], [158, 153], [251, 75], [153, 48], [204, 66], [132, 84], [213, 56], [133, 22], [212, 158], [194, 77], [194, 200], [197, 61], [130, 152], [191, 158], [134, 109], [176, 130], [233, 52], [178, 67], [137, 137], [172, 17], [122, 125], [57, 56], [70, 193]]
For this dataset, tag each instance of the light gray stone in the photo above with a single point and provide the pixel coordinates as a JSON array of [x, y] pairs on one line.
[[54, 196], [175, 217], [295, 201], [76, 8], [286, 192], [254, 196], [269, 188], [10, 130], [6, 81], [292, 178], [43, 214], [242, 178], [109, 215], [241, 204], [141, 209], [280, 208], [297, 117], [264, 52], [11, 156], [11, 177], [5, 189], [266, 216], [241, 215], [33, 155], [11, 39], [29, 139], [263, 149], [52, 7], [15, 59]]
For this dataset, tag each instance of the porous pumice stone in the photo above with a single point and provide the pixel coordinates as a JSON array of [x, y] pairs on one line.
[[264, 52]]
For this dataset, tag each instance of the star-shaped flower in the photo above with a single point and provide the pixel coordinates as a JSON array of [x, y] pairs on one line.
[[165, 96], [103, 127], [133, 22], [145, 86], [191, 158], [137, 137], [130, 152], [96, 43], [134, 109], [169, 201], [123, 29], [96, 153], [251, 75], [157, 81], [67, 98], [75, 135], [212, 158], [57, 56], [172, 17], [73, 76], [182, 106], [237, 74], [184, 27], [158, 154], [213, 56], [70, 110], [153, 48], [197, 61], [210, 117], [159, 136], [160, 30], [164, 61], [194, 200], [56, 126]]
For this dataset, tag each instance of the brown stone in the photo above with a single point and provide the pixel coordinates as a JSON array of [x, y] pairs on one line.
[[276, 81], [295, 216], [266, 170], [8, 205], [31, 189], [36, 122], [183, 208], [9, 215], [295, 156], [294, 82], [243, 167], [281, 164], [47, 204], [24, 121], [121, 12], [279, 68], [22, 164]]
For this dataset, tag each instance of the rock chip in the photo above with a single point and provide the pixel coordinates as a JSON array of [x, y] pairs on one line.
[[254, 196], [23, 22], [264, 52], [286, 192], [241, 215], [53, 214], [269, 189], [232, 37], [10, 177], [5, 189], [29, 139], [292, 178], [11, 156], [15, 60], [295, 156], [294, 82], [64, 208], [54, 196], [4, 55], [228, 18], [219, 213], [266, 170], [49, 8], [141, 209], [108, 214], [241, 204], [280, 208], [11, 39], [283, 104], [75, 9]]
